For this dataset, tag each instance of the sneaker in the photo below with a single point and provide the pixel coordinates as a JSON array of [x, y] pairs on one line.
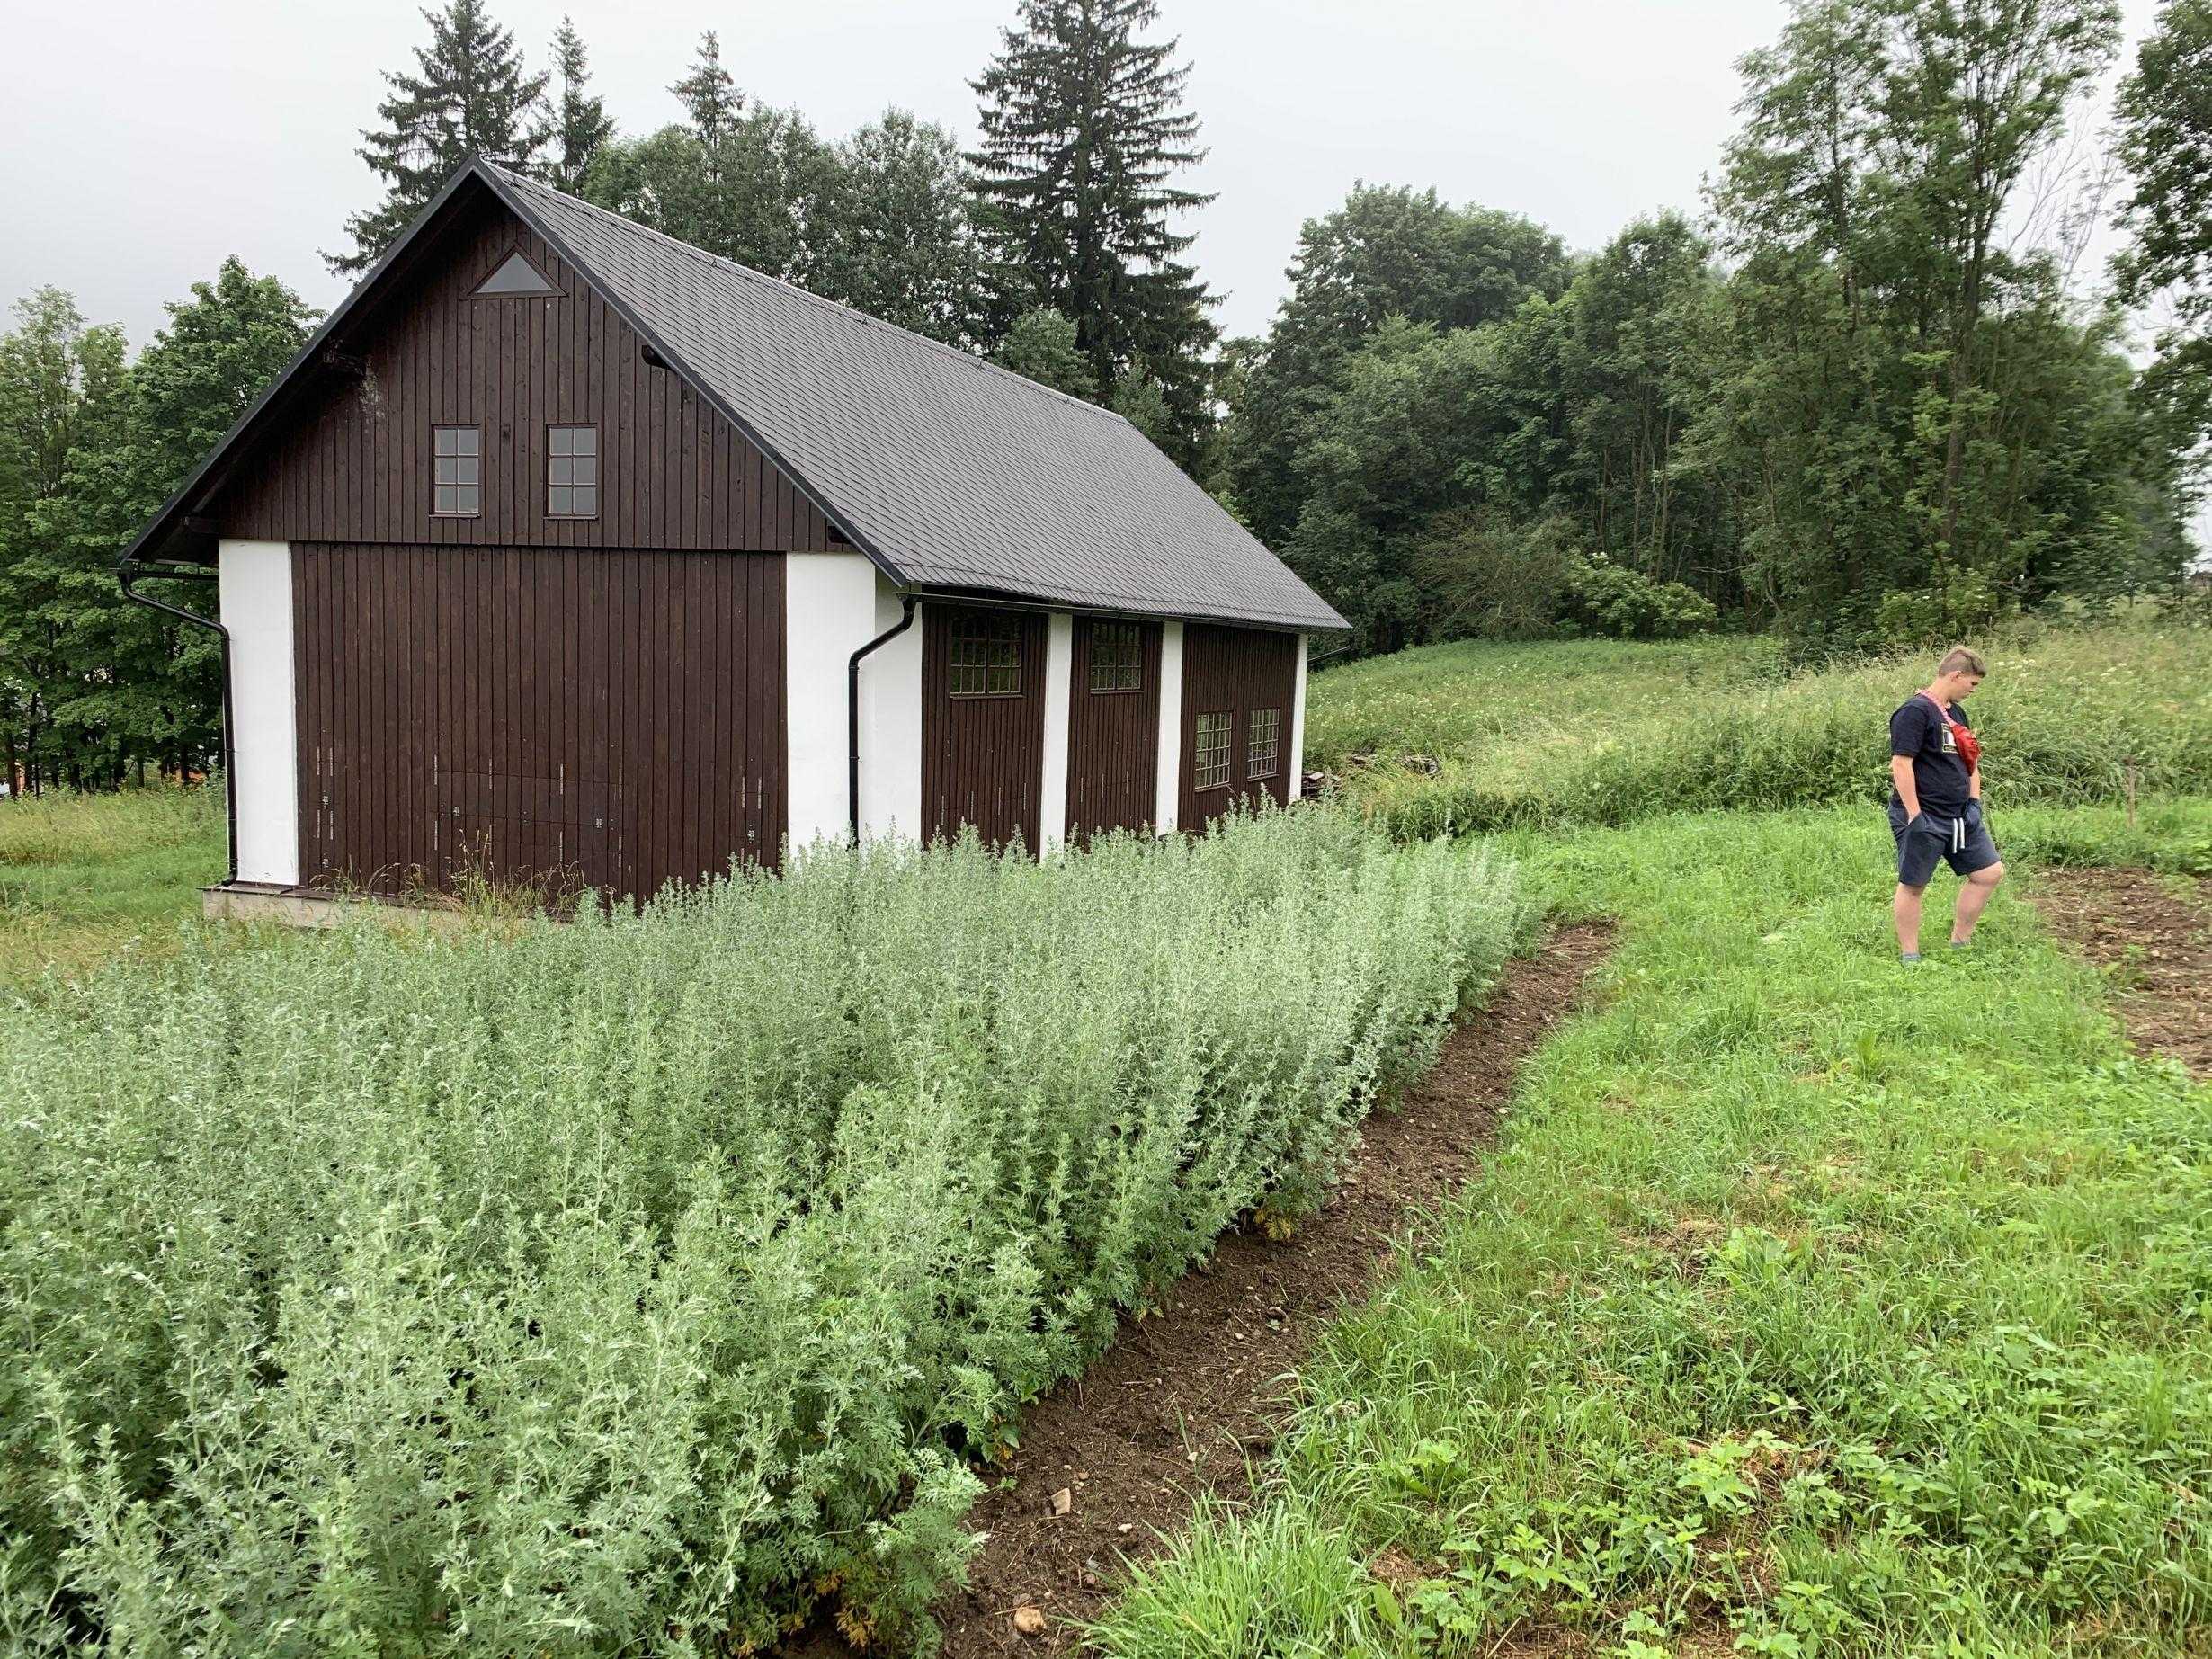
[[1908, 956]]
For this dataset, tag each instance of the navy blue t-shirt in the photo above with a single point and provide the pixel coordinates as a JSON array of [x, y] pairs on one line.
[[1938, 770]]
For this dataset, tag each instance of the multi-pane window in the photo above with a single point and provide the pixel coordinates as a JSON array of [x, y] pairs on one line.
[[1117, 658], [457, 471], [1209, 755], [985, 658], [572, 472], [1262, 745]]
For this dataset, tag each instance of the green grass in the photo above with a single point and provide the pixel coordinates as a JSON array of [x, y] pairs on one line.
[[1815, 1306], [87, 878], [1480, 737]]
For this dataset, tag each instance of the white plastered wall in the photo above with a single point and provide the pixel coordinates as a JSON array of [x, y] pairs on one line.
[[1297, 724], [834, 604], [1167, 784], [255, 579], [1059, 664], [891, 726]]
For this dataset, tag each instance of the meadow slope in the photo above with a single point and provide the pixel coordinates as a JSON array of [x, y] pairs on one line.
[[1816, 1304], [1481, 737]]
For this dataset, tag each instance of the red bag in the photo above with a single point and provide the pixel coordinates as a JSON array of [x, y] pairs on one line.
[[1969, 745]]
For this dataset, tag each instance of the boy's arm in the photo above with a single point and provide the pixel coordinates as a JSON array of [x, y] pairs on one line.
[[1908, 791]]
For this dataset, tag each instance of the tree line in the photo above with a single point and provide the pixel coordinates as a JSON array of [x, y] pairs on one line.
[[1869, 394], [1871, 397]]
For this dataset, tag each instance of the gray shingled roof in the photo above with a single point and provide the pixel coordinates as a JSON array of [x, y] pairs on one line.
[[953, 474]]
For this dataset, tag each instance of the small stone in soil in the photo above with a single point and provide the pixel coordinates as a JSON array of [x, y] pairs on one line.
[[1062, 1500], [1029, 1621]]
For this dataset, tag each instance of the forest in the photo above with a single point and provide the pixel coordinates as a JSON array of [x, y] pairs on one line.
[[1872, 389]]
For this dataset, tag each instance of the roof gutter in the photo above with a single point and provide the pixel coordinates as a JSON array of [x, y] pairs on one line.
[[129, 570], [852, 712]]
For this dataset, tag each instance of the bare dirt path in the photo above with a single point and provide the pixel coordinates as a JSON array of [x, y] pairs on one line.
[[2156, 946], [1183, 1399]]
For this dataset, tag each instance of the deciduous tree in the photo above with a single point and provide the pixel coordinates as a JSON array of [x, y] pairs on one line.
[[1388, 252], [2164, 112], [898, 239], [97, 684], [1041, 344]]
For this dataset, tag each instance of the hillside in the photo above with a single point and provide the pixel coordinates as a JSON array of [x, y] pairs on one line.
[[1478, 736]]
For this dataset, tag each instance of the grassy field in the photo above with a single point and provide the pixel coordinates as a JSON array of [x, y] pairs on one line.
[[1479, 737], [564, 1290], [1815, 1305], [87, 878]]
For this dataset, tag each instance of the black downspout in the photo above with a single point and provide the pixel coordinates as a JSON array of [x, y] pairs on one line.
[[125, 574], [852, 713]]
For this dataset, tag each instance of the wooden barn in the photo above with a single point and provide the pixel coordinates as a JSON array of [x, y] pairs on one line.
[[566, 550]]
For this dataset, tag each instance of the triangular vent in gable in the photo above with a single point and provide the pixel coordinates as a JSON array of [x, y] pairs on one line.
[[516, 276]]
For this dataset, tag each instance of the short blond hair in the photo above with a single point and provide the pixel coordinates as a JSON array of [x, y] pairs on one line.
[[1959, 660]]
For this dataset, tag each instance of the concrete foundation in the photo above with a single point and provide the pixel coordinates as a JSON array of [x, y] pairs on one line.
[[289, 906]]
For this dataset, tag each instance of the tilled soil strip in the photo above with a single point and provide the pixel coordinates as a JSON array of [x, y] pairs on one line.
[[2157, 946], [1186, 1398]]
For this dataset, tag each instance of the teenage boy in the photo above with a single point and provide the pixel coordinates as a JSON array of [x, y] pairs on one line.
[[1935, 811]]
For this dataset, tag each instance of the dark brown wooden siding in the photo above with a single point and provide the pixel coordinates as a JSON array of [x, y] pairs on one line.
[[354, 463], [983, 758], [612, 719], [1113, 743], [1235, 669]]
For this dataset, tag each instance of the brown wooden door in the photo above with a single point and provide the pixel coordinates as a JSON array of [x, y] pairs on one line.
[[1237, 674], [983, 722], [1113, 725], [556, 717]]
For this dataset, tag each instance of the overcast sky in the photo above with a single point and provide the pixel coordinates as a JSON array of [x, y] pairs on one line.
[[146, 139]]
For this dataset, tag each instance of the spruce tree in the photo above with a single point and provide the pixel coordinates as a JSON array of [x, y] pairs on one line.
[[468, 95], [1084, 131], [708, 94], [581, 126]]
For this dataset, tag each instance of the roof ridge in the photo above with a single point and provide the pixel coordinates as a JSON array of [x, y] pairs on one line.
[[969, 358]]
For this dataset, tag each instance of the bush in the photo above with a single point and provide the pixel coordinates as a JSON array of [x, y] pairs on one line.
[[1610, 599], [1485, 576], [647, 1282]]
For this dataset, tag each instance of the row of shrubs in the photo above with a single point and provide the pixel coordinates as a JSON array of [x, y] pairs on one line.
[[654, 1282]]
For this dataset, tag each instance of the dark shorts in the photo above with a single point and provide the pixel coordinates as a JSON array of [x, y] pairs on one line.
[[1964, 844]]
